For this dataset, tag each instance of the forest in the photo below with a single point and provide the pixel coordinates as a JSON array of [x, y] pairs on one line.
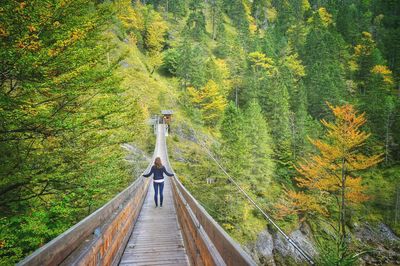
[[298, 100]]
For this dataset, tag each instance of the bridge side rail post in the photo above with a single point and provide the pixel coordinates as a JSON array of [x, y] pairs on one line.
[[200, 248]]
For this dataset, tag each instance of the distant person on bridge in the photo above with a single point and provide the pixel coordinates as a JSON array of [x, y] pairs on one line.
[[158, 179]]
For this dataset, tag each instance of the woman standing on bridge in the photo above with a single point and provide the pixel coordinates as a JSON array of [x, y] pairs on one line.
[[158, 179]]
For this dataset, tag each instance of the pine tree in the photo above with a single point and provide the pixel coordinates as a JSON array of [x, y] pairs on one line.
[[352, 18], [196, 22], [268, 85], [260, 145], [235, 146], [237, 12], [191, 64], [323, 50], [374, 81], [216, 17], [178, 8]]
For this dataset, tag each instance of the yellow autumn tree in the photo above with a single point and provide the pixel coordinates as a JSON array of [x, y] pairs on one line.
[[329, 179], [210, 101], [131, 19], [260, 61]]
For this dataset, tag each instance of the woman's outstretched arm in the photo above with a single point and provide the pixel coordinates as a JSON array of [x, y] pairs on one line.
[[167, 173], [151, 172]]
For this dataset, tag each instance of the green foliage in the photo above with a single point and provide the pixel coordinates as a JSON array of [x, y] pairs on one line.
[[178, 8], [235, 146], [260, 146], [79, 78], [171, 61], [191, 64], [196, 22], [64, 117], [333, 251], [217, 18], [326, 73], [210, 101], [237, 12], [384, 186]]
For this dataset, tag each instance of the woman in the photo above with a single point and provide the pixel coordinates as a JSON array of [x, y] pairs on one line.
[[158, 179]]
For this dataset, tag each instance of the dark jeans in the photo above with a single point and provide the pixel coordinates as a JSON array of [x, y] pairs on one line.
[[157, 187]]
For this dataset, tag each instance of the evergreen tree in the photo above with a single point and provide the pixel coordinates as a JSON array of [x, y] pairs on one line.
[[237, 12], [290, 13], [196, 22], [260, 145], [322, 56], [178, 8], [374, 81], [387, 32], [352, 18], [191, 64], [216, 17], [235, 145], [270, 88]]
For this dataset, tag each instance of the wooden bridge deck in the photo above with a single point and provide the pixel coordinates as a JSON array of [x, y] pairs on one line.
[[156, 238]]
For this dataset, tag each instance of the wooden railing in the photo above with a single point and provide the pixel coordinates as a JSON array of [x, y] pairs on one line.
[[206, 241], [99, 239]]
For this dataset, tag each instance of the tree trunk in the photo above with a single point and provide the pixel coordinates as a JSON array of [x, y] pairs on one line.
[[396, 211], [236, 97], [343, 202], [387, 138], [213, 11]]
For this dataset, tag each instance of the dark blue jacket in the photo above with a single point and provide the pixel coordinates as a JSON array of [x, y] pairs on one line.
[[158, 173]]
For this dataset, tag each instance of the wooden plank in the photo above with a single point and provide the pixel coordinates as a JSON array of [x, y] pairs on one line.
[[156, 237], [104, 248]]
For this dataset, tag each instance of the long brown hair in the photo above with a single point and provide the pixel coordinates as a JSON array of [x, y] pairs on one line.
[[157, 162]]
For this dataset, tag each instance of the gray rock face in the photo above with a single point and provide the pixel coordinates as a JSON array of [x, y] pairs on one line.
[[264, 248], [184, 131], [124, 64], [302, 239], [387, 234], [268, 245], [386, 245], [178, 155], [380, 234]]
